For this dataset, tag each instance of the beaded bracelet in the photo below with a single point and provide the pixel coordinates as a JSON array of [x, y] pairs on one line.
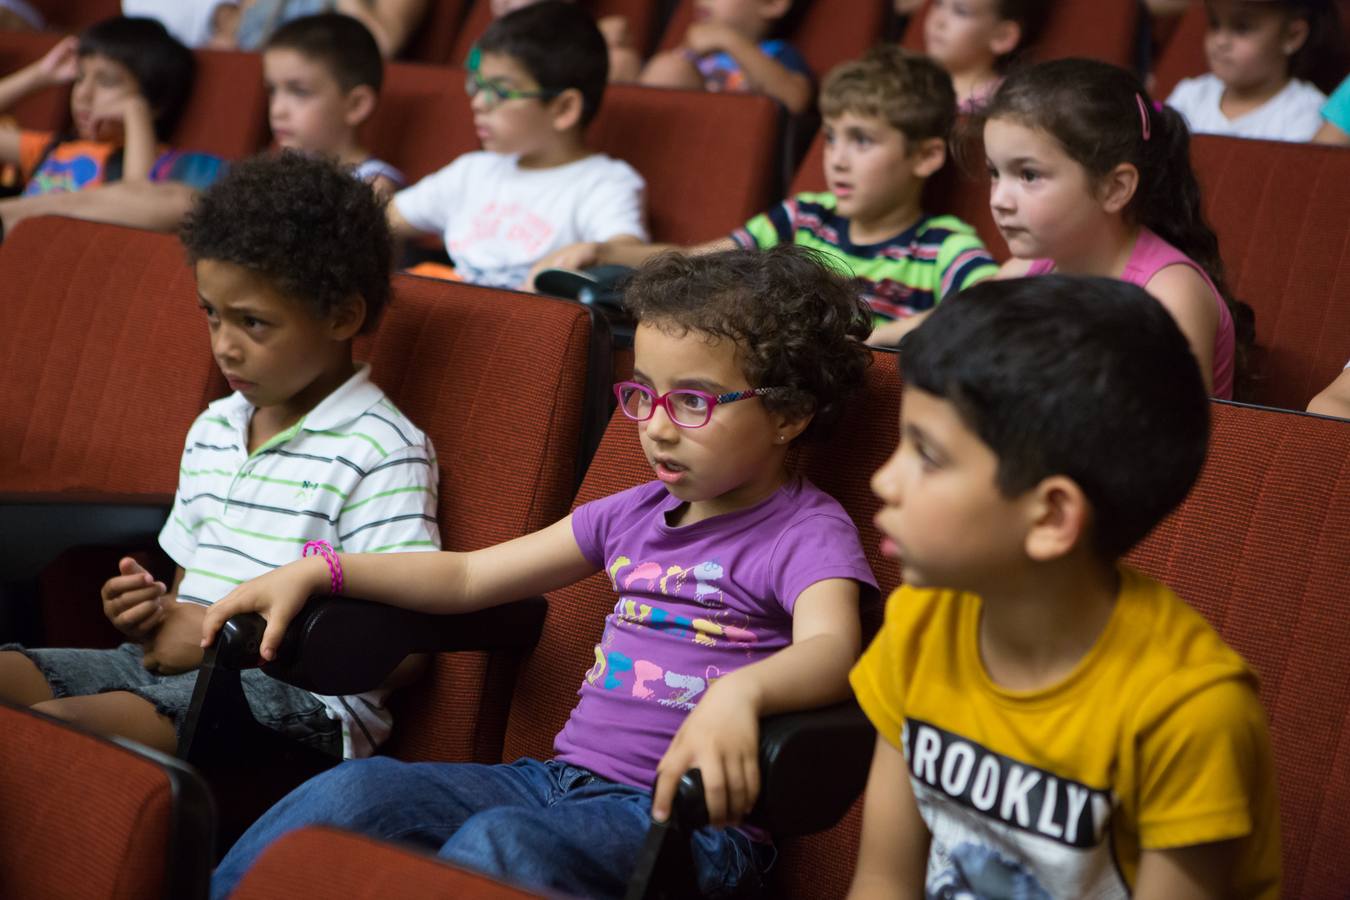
[[330, 556]]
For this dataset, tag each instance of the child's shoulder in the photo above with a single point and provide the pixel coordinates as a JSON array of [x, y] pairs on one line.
[[937, 228]]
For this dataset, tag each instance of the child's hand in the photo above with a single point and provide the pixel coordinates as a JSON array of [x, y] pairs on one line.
[[720, 738], [278, 596], [574, 257], [61, 64], [708, 37], [174, 648], [131, 600], [615, 30], [109, 121]]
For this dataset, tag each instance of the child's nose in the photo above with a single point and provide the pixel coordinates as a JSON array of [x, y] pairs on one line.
[[660, 427], [886, 481]]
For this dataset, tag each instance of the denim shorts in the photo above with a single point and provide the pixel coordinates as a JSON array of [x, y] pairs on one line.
[[296, 713]]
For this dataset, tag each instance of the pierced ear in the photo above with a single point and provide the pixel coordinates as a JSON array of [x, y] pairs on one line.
[[1296, 33], [1007, 35], [1118, 187], [929, 155], [566, 108], [1061, 517], [360, 104], [787, 430], [348, 318]]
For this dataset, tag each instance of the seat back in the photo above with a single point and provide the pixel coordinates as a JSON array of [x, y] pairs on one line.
[[641, 16], [94, 817], [955, 190], [547, 686], [445, 353], [435, 37], [227, 114], [72, 15], [47, 110], [1283, 244], [423, 119], [708, 158], [1262, 548], [1097, 29]]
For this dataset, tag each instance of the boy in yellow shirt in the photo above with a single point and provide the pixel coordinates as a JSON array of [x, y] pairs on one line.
[[1050, 722]]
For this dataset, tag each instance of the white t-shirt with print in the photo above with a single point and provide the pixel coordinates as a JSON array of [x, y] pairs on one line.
[[498, 219], [1294, 114]]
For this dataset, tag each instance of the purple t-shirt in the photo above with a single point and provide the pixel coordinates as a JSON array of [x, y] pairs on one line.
[[695, 603]]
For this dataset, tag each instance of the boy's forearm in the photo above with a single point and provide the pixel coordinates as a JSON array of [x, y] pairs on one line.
[[768, 76], [20, 84], [158, 207], [630, 253], [138, 149]]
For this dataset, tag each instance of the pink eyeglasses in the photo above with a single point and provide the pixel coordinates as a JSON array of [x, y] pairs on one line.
[[687, 408]]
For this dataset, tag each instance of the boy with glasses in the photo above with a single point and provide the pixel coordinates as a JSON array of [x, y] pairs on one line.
[[536, 80]]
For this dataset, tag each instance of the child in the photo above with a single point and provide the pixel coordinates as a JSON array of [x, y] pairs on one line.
[[976, 41], [737, 355], [727, 48], [1050, 722], [625, 63], [887, 117], [292, 259], [1336, 117], [323, 76], [131, 81], [1334, 400], [536, 79], [1090, 179], [1253, 48]]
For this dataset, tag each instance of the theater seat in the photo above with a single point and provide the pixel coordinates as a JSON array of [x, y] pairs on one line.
[[85, 816], [1262, 548], [1279, 210], [47, 110], [1097, 29], [433, 39], [227, 113], [73, 15], [423, 119], [641, 15]]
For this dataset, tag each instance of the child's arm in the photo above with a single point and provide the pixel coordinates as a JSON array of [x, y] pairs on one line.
[[1190, 301], [131, 117], [60, 65], [158, 206], [427, 582], [623, 251], [889, 335], [721, 736], [133, 601], [764, 74], [893, 856], [1334, 399], [1199, 872], [390, 22]]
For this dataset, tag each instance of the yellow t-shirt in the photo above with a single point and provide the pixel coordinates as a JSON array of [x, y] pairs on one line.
[[1155, 740]]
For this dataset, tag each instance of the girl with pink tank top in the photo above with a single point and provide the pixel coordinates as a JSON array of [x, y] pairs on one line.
[[1085, 170]]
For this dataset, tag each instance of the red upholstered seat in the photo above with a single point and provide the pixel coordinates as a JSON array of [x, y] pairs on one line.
[[227, 113], [47, 110], [1280, 212], [433, 40], [422, 121], [88, 817], [1097, 29], [325, 862], [1262, 548], [72, 15]]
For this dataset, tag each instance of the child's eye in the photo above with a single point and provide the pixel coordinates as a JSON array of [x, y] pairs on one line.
[[692, 402], [992, 172], [253, 323], [1030, 175]]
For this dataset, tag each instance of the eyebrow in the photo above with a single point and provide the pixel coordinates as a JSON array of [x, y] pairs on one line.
[[919, 435], [702, 384]]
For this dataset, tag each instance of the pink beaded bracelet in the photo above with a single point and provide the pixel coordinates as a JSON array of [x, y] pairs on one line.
[[330, 556]]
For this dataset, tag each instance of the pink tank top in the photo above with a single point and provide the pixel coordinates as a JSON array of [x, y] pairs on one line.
[[1151, 254]]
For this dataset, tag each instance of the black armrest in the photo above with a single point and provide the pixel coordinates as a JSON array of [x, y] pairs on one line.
[[36, 528], [342, 645]]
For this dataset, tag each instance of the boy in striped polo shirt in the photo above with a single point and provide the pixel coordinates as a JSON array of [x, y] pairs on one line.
[[292, 259], [887, 118]]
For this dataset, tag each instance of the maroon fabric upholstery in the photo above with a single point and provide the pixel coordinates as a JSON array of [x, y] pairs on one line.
[[546, 691], [828, 32], [47, 110], [1097, 29], [72, 15], [325, 862], [82, 816], [227, 114], [1262, 548], [422, 121], [1280, 212], [433, 40], [641, 16]]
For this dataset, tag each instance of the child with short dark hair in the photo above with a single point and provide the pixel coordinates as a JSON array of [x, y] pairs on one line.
[[887, 118], [1089, 178], [292, 260], [739, 587], [977, 40], [730, 47], [1051, 722], [130, 82], [1255, 48], [323, 76], [536, 80]]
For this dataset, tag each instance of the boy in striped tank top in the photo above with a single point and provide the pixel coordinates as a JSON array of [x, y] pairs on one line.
[[887, 118], [292, 259]]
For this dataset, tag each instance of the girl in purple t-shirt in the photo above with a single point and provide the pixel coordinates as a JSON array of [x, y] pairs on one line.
[[737, 582]]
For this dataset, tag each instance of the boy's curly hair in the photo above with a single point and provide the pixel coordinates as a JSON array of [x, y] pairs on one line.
[[909, 91], [798, 324], [306, 225]]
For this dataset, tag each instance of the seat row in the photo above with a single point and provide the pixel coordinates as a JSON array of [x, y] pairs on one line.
[[104, 363]]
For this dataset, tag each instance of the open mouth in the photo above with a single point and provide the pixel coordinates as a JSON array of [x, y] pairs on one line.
[[669, 472]]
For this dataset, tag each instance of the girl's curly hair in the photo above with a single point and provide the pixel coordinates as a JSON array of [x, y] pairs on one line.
[[306, 225], [797, 323]]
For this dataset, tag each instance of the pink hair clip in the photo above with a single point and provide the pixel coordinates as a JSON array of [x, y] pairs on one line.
[[1143, 116], [325, 549]]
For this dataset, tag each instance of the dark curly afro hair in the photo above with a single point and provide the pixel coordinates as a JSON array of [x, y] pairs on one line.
[[306, 225], [798, 324]]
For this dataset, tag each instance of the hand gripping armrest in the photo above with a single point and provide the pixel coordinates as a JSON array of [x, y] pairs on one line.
[[342, 645]]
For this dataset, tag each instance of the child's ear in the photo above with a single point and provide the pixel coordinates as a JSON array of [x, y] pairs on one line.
[[348, 318], [1005, 38], [1118, 186], [788, 429], [1296, 31], [1060, 518], [566, 108], [360, 104], [929, 155]]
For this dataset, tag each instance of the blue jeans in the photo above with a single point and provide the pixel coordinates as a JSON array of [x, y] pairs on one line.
[[542, 825]]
